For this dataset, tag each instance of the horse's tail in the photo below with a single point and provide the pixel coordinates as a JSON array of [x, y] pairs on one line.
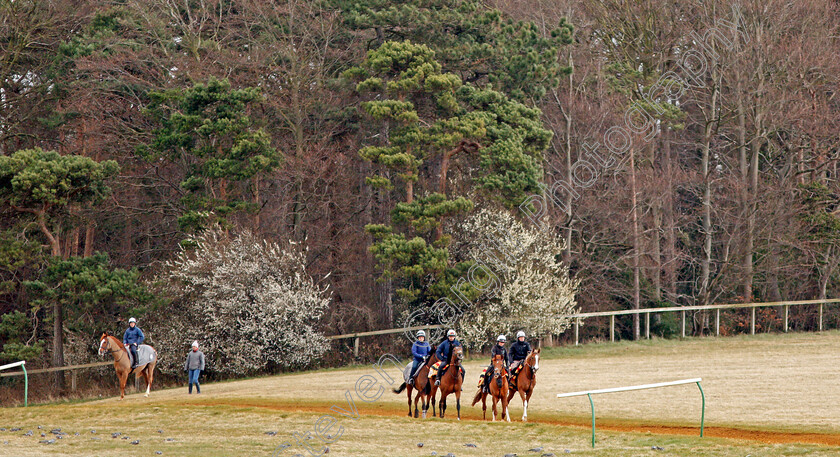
[[476, 398], [402, 388]]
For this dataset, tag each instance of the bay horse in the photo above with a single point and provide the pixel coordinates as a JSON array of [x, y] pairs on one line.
[[421, 385], [498, 390], [122, 362], [450, 382], [526, 380]]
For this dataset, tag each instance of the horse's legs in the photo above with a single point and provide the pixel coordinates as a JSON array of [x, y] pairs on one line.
[[408, 393], [524, 404], [123, 380], [495, 400], [420, 398], [505, 410], [527, 399], [458, 400], [483, 406]]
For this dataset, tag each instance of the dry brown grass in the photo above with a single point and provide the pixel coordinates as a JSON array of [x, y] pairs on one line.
[[777, 383]]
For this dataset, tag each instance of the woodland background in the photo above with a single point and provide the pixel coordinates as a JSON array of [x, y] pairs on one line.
[[734, 199]]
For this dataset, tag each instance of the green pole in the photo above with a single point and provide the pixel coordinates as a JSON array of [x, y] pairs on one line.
[[592, 406], [25, 386], [702, 409]]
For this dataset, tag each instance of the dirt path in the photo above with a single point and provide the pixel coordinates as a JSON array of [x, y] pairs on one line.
[[770, 437]]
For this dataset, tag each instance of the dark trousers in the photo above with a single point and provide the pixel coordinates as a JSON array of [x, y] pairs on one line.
[[133, 348], [414, 367]]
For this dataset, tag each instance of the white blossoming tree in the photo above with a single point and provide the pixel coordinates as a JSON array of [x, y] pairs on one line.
[[532, 292], [249, 303]]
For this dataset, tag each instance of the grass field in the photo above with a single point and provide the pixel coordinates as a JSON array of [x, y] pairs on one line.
[[767, 395]]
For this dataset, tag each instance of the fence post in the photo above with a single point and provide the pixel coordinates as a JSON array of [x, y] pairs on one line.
[[137, 382], [787, 313], [821, 317], [577, 330], [25, 385], [752, 320], [647, 325], [73, 380], [356, 347], [612, 328], [682, 318], [717, 322]]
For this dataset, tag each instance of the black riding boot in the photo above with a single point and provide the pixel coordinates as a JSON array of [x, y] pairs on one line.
[[190, 387], [197, 388]]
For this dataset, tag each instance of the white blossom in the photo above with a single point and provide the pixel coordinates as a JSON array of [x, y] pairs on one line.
[[534, 291], [249, 303]]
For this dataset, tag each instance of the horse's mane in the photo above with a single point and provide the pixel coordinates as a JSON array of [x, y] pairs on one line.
[[119, 344]]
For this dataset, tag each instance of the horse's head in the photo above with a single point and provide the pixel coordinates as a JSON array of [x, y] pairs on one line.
[[498, 366], [533, 360], [457, 355], [104, 344]]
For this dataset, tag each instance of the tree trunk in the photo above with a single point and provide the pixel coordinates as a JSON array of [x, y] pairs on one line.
[[58, 344], [89, 235], [670, 267], [706, 261], [744, 194], [636, 245]]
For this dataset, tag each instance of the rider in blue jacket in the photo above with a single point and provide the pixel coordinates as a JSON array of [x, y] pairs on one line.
[[132, 338], [420, 349], [444, 354]]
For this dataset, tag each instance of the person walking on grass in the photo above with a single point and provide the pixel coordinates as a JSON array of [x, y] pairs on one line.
[[194, 366]]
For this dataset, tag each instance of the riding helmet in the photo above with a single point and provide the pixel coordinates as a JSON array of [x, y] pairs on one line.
[[451, 332], [520, 334], [420, 333], [501, 338]]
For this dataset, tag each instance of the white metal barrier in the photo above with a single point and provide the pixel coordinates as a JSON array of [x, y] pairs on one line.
[[589, 394], [21, 364]]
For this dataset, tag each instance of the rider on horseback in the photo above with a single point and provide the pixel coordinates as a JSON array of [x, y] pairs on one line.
[[420, 349], [132, 338], [498, 349], [444, 354], [518, 353]]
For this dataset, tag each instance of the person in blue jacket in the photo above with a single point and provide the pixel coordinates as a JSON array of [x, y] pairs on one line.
[[420, 349], [444, 353], [132, 338]]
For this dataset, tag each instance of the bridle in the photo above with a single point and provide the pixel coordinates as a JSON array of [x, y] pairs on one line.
[[532, 356], [121, 350]]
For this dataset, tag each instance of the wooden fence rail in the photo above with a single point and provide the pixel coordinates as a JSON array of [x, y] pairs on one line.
[[578, 318], [71, 368], [684, 309], [356, 336]]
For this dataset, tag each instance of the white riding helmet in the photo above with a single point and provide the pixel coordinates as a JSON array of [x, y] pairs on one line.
[[520, 334], [132, 320], [501, 338], [195, 344], [420, 333], [451, 332]]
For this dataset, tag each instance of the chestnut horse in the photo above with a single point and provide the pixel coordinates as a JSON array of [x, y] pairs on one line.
[[122, 362], [450, 382], [421, 385], [526, 380], [498, 390]]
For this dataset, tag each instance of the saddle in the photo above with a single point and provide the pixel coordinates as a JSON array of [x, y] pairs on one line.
[[434, 369], [145, 354]]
